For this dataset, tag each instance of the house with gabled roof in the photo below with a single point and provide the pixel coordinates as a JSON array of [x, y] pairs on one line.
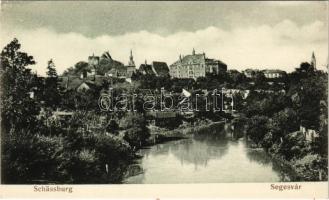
[[156, 68], [160, 68]]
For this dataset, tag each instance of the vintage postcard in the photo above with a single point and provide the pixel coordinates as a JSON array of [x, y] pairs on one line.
[[145, 99]]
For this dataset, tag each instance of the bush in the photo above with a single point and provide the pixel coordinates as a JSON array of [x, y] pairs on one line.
[[311, 166], [29, 159], [294, 146], [136, 132]]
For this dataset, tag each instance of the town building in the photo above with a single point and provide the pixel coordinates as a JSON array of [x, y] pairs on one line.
[[81, 84], [131, 67], [309, 134], [250, 73], [273, 73], [93, 63], [195, 65], [156, 68], [123, 71]]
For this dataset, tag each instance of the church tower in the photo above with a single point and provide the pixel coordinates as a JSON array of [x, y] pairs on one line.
[[131, 59], [313, 61]]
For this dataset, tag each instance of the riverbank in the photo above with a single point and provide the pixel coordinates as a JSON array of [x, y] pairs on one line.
[[292, 151], [161, 135], [302, 169]]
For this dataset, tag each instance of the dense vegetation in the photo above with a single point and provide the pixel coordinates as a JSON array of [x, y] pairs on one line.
[[39, 149], [96, 147], [273, 121]]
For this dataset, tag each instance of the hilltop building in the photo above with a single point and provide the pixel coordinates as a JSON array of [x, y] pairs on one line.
[[156, 68], [123, 71], [195, 65], [93, 63]]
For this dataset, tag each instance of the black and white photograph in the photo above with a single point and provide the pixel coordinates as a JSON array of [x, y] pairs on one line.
[[167, 92]]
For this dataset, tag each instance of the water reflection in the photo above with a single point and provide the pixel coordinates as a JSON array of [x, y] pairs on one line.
[[258, 156], [199, 150], [205, 158]]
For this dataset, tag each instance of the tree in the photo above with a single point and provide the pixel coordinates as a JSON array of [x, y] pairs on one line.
[[51, 69], [260, 80], [293, 146], [18, 113], [283, 123], [136, 132], [78, 69], [237, 79], [18, 110], [52, 94], [257, 128]]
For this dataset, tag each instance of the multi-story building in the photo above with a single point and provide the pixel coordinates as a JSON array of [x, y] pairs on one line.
[[273, 73], [195, 65]]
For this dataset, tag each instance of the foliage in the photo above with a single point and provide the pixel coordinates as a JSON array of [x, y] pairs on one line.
[[294, 146], [136, 132], [18, 113], [257, 128], [112, 127], [78, 69], [283, 123], [51, 93]]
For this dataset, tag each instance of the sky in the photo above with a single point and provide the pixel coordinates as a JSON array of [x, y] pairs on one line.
[[263, 35]]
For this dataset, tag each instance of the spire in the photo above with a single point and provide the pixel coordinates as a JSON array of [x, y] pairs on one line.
[[313, 61], [131, 59], [193, 52]]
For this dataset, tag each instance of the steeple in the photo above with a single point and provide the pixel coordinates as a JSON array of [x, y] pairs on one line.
[[313, 61], [131, 59], [193, 52]]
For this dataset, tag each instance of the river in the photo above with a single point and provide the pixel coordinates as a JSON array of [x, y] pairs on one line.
[[204, 158]]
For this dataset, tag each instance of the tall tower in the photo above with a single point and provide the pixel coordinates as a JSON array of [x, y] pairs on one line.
[[193, 51], [313, 61], [131, 59]]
